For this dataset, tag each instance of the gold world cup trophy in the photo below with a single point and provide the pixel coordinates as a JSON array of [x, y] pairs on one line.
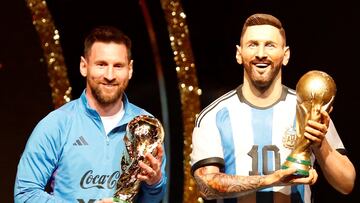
[[143, 134], [315, 91]]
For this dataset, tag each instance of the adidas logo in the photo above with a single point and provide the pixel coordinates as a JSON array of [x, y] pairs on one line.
[[80, 141]]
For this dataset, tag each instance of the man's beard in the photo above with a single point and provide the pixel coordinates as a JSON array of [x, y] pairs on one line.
[[105, 99]]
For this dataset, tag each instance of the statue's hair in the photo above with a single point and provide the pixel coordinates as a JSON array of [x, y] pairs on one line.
[[263, 19]]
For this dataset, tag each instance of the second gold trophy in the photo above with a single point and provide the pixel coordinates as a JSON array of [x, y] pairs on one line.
[[315, 92]]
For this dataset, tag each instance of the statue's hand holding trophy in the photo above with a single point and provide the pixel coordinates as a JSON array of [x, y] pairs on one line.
[[315, 92], [143, 134]]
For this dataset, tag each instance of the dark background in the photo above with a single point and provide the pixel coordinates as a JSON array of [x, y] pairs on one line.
[[322, 35]]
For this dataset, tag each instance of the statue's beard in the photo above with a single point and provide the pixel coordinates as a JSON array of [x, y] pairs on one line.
[[263, 82], [262, 85]]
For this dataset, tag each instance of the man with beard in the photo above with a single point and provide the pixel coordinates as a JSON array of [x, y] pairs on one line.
[[240, 140], [77, 148]]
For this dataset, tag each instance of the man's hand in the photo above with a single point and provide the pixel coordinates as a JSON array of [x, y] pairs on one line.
[[151, 173]]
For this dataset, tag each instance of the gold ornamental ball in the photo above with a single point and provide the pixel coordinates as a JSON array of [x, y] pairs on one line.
[[315, 86]]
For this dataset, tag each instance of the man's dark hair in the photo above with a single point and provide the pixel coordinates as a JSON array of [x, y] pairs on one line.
[[106, 34]]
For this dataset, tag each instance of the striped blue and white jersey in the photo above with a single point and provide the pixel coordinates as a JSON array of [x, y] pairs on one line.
[[247, 140]]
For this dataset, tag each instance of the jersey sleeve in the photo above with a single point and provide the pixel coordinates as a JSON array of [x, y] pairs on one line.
[[334, 139], [206, 145], [37, 164]]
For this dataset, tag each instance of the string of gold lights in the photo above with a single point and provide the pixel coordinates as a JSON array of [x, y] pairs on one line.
[[188, 85], [50, 43]]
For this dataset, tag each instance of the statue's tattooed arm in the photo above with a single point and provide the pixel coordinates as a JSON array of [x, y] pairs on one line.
[[214, 185]]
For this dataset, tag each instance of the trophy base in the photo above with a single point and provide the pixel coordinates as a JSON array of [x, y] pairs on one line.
[[299, 172], [301, 164]]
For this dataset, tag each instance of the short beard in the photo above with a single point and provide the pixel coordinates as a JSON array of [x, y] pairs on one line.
[[262, 86], [103, 100], [107, 100]]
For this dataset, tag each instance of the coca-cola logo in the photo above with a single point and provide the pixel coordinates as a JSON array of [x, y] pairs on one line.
[[90, 180]]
